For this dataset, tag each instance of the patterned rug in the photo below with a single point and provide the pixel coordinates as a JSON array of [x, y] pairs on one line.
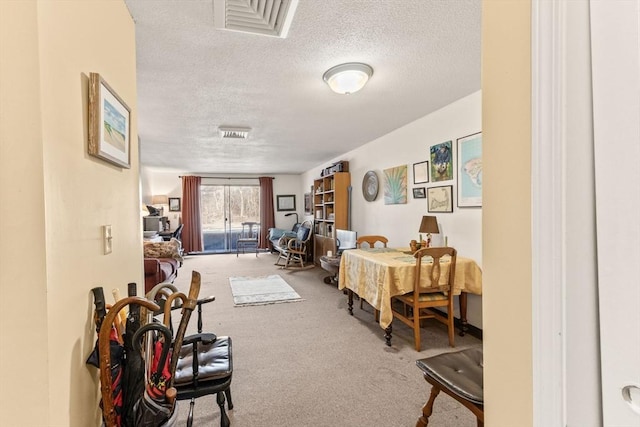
[[261, 290]]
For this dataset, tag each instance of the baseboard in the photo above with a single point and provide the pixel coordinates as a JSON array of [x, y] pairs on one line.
[[474, 331]]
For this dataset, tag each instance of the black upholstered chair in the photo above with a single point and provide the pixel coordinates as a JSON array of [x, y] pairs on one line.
[[458, 374], [204, 363], [205, 367]]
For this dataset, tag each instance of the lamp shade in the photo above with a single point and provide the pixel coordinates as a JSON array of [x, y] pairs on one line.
[[159, 200], [429, 224], [348, 78]]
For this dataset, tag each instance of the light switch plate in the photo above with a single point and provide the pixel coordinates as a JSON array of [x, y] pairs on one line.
[[106, 238]]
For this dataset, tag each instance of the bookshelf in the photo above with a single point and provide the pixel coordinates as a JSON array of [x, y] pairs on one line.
[[330, 209]]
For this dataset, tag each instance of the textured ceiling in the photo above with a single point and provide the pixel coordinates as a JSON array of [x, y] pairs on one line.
[[193, 78]]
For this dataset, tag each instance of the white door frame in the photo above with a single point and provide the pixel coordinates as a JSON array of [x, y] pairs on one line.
[[547, 216]]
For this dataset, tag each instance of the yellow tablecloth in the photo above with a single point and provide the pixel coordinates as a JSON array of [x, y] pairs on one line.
[[381, 273]]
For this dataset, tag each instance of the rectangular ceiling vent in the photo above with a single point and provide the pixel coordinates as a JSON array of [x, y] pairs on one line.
[[262, 17], [234, 132]]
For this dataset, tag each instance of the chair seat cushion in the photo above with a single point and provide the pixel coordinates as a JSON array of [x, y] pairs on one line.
[[214, 362], [460, 372], [432, 296]]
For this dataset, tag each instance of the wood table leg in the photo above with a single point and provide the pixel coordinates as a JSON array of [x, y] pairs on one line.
[[387, 335], [350, 301], [464, 326]]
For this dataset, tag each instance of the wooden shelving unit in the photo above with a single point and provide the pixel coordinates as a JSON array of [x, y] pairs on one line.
[[331, 210]]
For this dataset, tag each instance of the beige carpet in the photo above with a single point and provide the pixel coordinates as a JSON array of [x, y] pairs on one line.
[[312, 364]]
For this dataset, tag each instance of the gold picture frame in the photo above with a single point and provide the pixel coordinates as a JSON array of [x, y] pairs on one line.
[[109, 124]]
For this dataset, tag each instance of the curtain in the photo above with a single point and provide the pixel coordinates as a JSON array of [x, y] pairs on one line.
[[192, 230], [267, 218]]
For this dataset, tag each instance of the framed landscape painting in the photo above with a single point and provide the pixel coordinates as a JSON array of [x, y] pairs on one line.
[[286, 202], [109, 123], [470, 170], [174, 204]]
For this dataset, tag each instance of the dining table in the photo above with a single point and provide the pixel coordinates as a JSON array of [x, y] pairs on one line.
[[378, 274]]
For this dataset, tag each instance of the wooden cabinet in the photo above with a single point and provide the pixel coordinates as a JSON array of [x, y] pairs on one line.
[[330, 209]]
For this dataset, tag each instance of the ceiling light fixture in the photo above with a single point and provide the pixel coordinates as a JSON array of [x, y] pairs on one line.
[[348, 78], [234, 132]]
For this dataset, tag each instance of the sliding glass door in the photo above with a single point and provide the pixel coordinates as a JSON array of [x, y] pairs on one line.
[[223, 208]]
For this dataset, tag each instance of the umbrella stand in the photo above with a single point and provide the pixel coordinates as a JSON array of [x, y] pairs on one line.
[[104, 343]]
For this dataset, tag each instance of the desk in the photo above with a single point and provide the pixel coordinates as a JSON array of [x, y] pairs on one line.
[[379, 274]]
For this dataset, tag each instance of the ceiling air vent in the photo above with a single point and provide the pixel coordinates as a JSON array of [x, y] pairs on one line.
[[263, 17], [234, 132]]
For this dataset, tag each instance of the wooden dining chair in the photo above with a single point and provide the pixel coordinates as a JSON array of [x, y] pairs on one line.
[[415, 306], [371, 241]]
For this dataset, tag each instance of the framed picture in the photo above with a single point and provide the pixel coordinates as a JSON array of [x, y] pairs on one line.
[[395, 185], [174, 204], [109, 123], [421, 172], [469, 153], [286, 202], [441, 162], [439, 199], [307, 203], [419, 193]]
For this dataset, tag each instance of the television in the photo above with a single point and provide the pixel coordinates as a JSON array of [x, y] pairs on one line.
[[346, 239]]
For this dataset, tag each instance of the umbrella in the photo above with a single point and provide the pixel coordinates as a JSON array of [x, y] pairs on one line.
[[112, 347], [187, 308], [98, 317], [111, 369], [156, 406], [133, 375]]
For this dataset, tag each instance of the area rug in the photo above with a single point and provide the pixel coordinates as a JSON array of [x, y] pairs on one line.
[[261, 290]]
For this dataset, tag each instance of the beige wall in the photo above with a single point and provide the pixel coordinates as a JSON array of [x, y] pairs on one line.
[[23, 275], [55, 198], [506, 223]]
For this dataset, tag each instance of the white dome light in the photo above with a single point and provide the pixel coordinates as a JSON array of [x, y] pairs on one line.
[[348, 78]]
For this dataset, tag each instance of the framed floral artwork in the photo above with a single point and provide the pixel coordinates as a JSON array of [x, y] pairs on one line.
[[441, 158]]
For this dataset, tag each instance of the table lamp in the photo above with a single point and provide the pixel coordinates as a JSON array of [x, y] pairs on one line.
[[429, 224]]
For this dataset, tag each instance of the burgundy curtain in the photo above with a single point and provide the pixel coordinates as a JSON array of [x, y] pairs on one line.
[[192, 231], [267, 218]]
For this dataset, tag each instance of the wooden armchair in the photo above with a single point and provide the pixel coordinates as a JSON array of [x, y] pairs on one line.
[[416, 306], [295, 250]]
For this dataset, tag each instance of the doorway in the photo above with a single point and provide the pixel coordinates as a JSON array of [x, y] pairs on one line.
[[223, 209]]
